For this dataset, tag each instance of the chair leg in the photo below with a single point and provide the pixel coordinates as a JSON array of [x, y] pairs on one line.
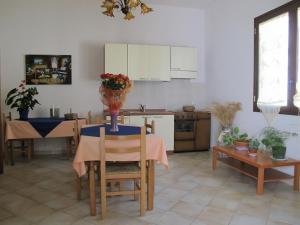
[[143, 197], [135, 184], [31, 143], [103, 197], [29, 151]]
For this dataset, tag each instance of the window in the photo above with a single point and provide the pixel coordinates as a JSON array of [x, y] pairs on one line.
[[276, 61]]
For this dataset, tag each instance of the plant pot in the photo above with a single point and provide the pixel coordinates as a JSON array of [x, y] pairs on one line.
[[23, 115], [278, 152], [251, 151], [241, 143]]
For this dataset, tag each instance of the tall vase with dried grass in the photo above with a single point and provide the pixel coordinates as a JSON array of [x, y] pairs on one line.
[[225, 114]]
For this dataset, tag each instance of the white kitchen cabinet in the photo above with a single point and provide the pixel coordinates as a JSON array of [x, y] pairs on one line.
[[126, 119], [164, 127], [116, 58], [184, 62], [149, 62]]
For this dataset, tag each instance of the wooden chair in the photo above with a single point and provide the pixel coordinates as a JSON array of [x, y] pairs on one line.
[[9, 145], [121, 120], [151, 126], [132, 172], [89, 118]]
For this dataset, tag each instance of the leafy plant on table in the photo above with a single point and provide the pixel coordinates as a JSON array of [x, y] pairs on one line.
[[254, 144], [22, 98], [234, 135], [272, 137]]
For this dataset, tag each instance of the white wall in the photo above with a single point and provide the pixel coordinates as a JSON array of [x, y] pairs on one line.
[[78, 28], [229, 41]]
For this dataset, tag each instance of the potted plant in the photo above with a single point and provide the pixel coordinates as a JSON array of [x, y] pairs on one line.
[[274, 140], [234, 137], [253, 145], [23, 99]]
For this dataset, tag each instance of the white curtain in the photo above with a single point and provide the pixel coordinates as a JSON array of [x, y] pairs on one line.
[[270, 110], [297, 97]]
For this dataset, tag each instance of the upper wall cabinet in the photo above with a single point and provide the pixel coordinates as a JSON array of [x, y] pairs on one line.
[[184, 62], [149, 62], [116, 58]]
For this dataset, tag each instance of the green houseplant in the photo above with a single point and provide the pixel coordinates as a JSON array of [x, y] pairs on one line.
[[22, 99], [254, 144], [274, 140], [235, 137]]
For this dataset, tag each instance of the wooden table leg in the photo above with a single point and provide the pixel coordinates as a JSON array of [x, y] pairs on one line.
[[296, 177], [150, 185], [32, 147], [214, 159], [92, 188], [260, 181], [11, 152]]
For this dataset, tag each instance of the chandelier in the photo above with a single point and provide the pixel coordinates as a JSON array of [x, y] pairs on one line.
[[125, 6]]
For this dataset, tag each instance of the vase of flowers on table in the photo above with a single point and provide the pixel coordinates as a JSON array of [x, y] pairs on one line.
[[23, 99], [113, 90]]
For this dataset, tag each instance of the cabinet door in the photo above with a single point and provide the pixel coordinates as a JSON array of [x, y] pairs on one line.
[[126, 119], [138, 62], [137, 120], [164, 128], [203, 134], [159, 63], [183, 58], [116, 58]]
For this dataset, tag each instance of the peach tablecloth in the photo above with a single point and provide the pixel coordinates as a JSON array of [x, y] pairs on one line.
[[88, 150], [17, 129]]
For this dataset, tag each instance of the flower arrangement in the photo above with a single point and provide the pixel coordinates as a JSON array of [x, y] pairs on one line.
[[22, 98], [115, 82], [225, 113], [113, 90]]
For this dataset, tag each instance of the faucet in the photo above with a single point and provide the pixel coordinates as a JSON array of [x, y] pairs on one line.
[[142, 107]]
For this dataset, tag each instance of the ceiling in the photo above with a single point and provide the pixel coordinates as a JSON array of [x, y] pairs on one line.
[[199, 4]]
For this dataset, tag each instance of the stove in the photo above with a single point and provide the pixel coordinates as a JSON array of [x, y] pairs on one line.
[[192, 131]]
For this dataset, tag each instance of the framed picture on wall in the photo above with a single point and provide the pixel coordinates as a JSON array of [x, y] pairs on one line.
[[48, 69]]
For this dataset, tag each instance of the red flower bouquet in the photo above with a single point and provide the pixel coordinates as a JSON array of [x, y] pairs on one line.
[[113, 91]]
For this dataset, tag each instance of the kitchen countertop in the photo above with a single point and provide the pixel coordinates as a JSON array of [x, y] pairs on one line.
[[137, 112]]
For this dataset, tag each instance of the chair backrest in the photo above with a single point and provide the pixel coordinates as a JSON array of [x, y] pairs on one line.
[[151, 126], [139, 148], [121, 120], [89, 118]]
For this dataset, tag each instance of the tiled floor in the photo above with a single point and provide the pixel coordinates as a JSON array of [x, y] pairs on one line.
[[42, 192]]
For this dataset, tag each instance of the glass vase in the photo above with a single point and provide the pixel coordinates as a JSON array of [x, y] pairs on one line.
[[114, 122]]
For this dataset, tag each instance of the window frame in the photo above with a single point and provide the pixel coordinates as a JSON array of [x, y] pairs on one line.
[[292, 8]]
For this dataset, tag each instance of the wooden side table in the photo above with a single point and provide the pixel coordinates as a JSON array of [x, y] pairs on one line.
[[260, 167]]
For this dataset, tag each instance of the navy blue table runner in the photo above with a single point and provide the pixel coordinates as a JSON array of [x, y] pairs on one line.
[[45, 125], [94, 131]]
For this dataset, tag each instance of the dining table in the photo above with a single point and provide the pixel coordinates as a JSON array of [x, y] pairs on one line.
[[88, 154], [42, 127]]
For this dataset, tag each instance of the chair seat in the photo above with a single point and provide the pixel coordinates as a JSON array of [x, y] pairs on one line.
[[121, 168]]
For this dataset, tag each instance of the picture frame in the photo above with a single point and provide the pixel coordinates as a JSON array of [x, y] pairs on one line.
[[48, 69]]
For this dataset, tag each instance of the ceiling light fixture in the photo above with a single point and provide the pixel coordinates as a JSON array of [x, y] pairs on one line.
[[125, 6]]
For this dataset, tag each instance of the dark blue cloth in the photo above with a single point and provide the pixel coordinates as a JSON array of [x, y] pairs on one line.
[[123, 130], [44, 125]]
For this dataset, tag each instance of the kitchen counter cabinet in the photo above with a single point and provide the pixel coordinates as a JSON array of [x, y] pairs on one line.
[[164, 123]]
